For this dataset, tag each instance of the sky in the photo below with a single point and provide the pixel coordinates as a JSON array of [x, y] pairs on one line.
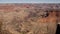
[[29, 1]]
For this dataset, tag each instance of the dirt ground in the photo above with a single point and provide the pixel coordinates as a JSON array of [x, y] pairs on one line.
[[29, 18]]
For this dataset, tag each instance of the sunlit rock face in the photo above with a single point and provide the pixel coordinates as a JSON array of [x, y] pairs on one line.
[[28, 18]]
